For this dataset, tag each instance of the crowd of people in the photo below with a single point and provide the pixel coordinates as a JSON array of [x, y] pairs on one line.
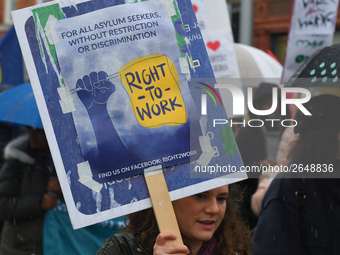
[[288, 214], [295, 212]]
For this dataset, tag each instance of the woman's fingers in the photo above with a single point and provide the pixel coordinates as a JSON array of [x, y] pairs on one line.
[[160, 247]]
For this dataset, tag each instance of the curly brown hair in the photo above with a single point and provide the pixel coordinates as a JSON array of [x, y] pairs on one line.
[[232, 236]]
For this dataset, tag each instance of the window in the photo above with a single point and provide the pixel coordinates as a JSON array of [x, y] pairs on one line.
[[41, 1], [336, 38], [278, 46], [10, 5]]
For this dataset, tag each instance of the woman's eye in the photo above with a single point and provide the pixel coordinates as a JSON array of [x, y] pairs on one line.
[[200, 196], [221, 199]]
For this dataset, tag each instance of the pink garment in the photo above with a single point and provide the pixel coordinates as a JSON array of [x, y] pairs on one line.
[[286, 143]]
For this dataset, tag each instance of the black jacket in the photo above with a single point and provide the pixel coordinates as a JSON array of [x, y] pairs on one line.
[[303, 223], [23, 181], [121, 244]]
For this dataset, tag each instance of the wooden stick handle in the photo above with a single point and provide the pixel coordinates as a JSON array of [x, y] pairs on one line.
[[162, 204]]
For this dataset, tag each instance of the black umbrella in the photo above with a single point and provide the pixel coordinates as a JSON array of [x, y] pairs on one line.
[[321, 70]]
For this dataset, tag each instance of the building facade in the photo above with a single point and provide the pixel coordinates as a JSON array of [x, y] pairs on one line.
[[271, 25], [6, 6]]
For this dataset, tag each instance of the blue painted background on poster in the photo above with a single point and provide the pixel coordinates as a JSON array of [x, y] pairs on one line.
[[120, 192], [131, 99]]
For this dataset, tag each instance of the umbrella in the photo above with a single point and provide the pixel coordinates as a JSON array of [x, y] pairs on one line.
[[255, 63], [321, 70], [18, 107]]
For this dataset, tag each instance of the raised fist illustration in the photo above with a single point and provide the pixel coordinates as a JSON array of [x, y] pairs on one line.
[[95, 89]]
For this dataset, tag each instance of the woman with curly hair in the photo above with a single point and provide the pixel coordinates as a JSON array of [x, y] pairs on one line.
[[209, 223]]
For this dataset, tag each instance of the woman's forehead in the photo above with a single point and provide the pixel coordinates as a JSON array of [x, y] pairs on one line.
[[220, 190]]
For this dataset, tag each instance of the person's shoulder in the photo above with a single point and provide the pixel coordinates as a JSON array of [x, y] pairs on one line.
[[127, 236], [281, 189], [18, 150], [123, 243]]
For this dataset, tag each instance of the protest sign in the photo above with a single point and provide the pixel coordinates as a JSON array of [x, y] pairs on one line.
[[122, 99], [80, 58], [214, 23], [312, 28]]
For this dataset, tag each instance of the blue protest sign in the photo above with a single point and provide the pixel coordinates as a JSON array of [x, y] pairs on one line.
[[93, 97]]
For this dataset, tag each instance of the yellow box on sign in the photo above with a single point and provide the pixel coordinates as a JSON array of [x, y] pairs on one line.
[[152, 84]]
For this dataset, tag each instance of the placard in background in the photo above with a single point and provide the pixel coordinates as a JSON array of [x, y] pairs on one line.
[[312, 28]]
